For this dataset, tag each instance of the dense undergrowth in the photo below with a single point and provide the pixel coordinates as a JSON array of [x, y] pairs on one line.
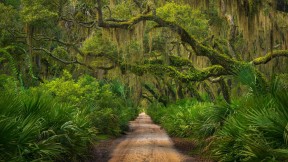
[[61, 119], [251, 128]]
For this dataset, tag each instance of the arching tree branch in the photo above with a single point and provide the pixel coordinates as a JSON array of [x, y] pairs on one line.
[[55, 57], [265, 59], [73, 45], [73, 61], [160, 70]]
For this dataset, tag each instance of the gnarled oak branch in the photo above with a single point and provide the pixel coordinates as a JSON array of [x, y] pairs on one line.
[[73, 61], [160, 70], [265, 59]]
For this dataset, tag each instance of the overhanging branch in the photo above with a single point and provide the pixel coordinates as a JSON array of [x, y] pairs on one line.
[[73, 45], [265, 59], [61, 60], [76, 61], [160, 70]]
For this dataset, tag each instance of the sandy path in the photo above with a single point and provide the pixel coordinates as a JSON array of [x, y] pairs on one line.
[[146, 143]]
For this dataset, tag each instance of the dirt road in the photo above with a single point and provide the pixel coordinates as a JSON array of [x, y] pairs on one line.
[[146, 142]]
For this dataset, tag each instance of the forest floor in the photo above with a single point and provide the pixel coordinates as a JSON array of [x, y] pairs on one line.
[[145, 142]]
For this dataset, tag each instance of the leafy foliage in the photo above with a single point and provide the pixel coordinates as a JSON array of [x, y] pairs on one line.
[[179, 119], [257, 131], [97, 44], [35, 127], [193, 21], [36, 11], [254, 128], [60, 119], [9, 21]]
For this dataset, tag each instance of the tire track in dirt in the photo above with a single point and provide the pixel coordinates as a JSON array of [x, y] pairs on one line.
[[146, 142]]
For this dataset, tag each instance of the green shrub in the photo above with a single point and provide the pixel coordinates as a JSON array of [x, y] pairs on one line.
[[258, 131], [182, 119], [59, 120], [35, 127], [252, 128]]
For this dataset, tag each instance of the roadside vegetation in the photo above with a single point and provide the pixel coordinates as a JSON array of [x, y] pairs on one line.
[[61, 119], [251, 128]]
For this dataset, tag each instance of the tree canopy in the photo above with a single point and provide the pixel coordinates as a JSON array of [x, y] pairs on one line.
[[177, 42]]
